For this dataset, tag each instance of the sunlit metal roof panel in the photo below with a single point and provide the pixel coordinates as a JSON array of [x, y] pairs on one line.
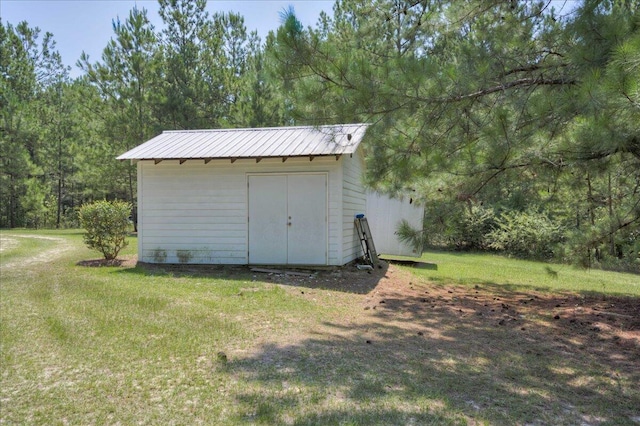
[[251, 143]]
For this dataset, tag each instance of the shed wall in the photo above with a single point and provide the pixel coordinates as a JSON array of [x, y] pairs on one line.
[[354, 201], [385, 215], [197, 213]]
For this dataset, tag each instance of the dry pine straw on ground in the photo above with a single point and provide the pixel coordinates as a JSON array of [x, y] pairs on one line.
[[607, 318], [604, 326]]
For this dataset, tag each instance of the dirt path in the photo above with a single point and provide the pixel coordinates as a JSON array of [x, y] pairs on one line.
[[7, 243], [10, 241]]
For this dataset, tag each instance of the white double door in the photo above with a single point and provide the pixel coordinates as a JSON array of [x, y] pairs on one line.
[[288, 219]]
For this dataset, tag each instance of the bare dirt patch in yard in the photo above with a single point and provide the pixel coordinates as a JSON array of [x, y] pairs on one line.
[[7, 243], [62, 246], [601, 325], [128, 261], [612, 318]]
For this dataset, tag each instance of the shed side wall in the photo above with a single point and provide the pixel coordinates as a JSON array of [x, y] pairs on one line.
[[354, 201], [385, 215]]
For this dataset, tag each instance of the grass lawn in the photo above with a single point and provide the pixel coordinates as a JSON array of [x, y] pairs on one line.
[[468, 339], [473, 268]]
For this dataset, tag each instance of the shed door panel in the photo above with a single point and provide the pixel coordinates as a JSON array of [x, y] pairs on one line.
[[288, 219], [267, 219], [307, 236]]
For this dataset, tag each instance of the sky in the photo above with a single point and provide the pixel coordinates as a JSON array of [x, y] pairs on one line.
[[86, 25]]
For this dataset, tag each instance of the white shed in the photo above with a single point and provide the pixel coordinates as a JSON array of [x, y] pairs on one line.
[[277, 196], [264, 196]]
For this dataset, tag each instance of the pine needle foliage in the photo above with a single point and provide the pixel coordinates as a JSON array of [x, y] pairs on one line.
[[505, 104]]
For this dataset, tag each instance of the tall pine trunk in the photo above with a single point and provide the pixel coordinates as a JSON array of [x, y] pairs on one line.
[[59, 195]]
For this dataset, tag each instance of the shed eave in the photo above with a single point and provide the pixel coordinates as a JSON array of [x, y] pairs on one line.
[[208, 159]]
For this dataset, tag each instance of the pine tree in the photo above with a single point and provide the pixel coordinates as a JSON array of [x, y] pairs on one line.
[[128, 78], [481, 102]]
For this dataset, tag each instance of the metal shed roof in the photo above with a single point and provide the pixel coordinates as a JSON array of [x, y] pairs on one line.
[[301, 141]]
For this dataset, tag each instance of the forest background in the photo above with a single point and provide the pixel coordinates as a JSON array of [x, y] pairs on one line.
[[517, 128]]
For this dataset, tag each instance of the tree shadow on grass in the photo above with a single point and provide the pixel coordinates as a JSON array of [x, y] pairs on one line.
[[457, 356]]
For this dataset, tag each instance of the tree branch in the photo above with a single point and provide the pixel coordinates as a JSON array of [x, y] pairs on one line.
[[521, 82]]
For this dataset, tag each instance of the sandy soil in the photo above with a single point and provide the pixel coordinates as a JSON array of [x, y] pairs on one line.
[[41, 257], [7, 243]]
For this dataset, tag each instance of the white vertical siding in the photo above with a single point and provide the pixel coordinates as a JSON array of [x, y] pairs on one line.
[[197, 213], [192, 215], [385, 214], [354, 201]]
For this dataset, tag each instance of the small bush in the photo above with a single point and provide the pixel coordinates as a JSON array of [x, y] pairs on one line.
[[106, 224], [525, 234], [472, 228], [458, 225], [461, 226]]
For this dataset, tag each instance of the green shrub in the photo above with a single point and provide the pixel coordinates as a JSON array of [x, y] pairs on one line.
[[525, 234], [106, 224], [587, 247], [473, 227], [462, 226]]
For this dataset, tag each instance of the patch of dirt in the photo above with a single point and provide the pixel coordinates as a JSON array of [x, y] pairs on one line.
[[7, 243], [602, 326], [61, 247], [607, 318], [129, 261]]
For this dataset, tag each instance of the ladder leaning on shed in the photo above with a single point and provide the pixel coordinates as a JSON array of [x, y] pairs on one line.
[[366, 240]]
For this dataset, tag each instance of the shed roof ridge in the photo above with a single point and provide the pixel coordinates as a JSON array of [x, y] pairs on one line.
[[259, 129]]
